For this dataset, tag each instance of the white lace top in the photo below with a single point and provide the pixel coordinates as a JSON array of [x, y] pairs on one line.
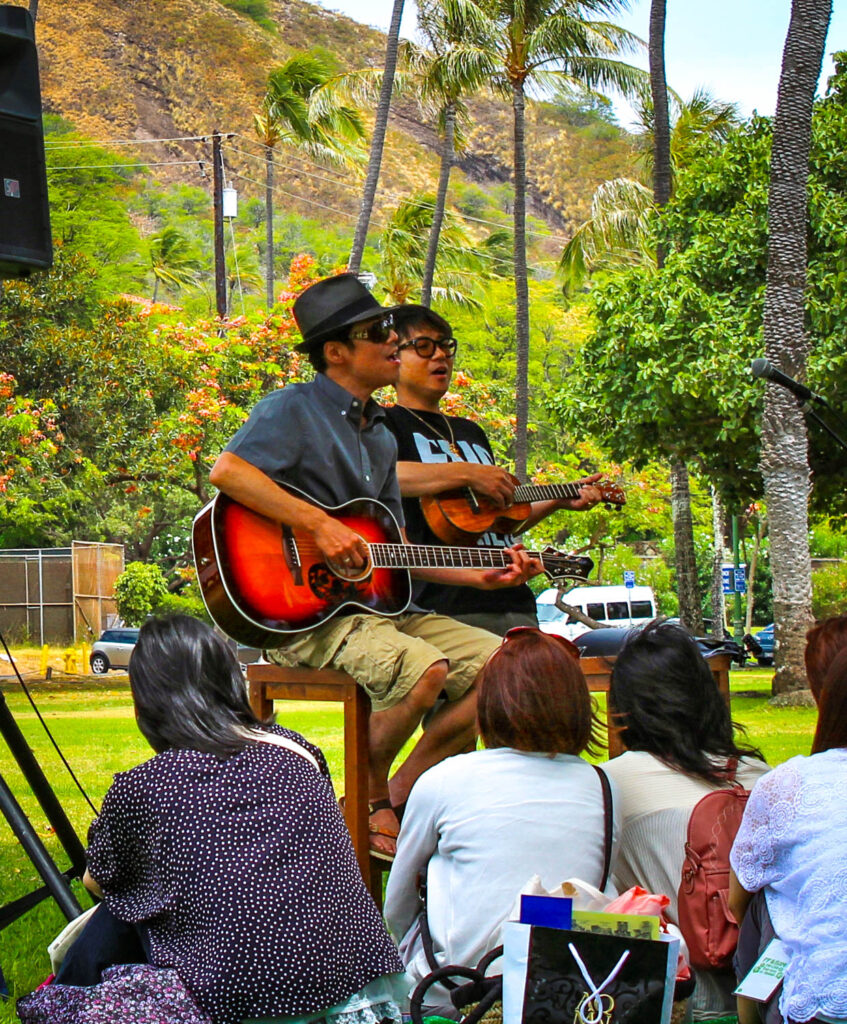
[[792, 843]]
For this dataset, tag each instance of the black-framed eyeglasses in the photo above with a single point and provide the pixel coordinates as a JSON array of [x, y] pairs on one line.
[[378, 332], [425, 347], [568, 645]]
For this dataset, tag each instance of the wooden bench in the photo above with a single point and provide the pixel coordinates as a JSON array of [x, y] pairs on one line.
[[274, 682]]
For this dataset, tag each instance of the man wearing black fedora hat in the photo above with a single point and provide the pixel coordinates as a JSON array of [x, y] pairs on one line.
[[328, 438]]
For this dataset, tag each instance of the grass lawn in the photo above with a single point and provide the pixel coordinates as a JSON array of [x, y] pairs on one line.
[[93, 724]]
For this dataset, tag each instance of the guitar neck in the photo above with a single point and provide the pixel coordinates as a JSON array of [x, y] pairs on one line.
[[545, 492], [437, 556]]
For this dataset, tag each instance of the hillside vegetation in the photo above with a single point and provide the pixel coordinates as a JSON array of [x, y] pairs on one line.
[[128, 70]]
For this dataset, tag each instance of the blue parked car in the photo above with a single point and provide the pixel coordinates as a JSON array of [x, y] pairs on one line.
[[764, 638]]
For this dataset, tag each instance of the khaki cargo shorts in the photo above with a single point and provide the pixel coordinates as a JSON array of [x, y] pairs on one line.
[[387, 656]]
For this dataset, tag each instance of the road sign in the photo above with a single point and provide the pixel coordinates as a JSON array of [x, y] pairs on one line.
[[740, 580], [726, 579], [629, 578]]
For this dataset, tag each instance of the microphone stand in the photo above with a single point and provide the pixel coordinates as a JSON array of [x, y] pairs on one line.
[[806, 407], [56, 882]]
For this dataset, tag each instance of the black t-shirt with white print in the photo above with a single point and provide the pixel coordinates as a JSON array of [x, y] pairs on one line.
[[427, 442]]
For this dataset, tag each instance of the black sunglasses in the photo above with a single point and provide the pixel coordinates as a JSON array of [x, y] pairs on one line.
[[425, 347], [378, 332]]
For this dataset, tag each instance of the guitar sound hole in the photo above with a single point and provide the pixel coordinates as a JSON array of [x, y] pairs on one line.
[[327, 586]]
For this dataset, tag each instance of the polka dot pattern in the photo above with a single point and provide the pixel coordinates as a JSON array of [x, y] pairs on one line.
[[245, 875]]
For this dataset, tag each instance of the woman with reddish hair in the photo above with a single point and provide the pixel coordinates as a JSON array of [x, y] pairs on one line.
[[788, 878], [478, 826]]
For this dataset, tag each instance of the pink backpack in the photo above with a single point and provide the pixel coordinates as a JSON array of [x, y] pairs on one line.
[[708, 927]]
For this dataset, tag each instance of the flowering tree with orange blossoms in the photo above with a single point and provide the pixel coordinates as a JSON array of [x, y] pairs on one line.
[[146, 400]]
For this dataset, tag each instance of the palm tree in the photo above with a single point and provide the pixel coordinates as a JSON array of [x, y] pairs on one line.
[[512, 44], [442, 85], [688, 590], [301, 109], [173, 261], [392, 45], [784, 459], [618, 232], [403, 251]]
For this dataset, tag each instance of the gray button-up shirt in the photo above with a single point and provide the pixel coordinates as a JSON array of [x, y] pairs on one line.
[[312, 436]]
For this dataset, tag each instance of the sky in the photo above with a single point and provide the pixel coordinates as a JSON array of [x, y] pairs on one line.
[[732, 47]]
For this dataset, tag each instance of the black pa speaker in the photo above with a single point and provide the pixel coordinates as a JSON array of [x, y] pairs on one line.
[[25, 240]]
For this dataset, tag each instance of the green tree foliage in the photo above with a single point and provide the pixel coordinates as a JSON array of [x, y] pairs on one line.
[[88, 206], [666, 370], [173, 262], [135, 415], [139, 590]]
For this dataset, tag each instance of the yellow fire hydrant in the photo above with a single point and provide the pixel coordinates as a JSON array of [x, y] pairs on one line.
[[69, 659]]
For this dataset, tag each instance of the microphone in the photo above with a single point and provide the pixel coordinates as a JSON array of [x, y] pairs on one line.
[[762, 368]]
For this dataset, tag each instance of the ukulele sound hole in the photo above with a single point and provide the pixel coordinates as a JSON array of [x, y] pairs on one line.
[[327, 586]]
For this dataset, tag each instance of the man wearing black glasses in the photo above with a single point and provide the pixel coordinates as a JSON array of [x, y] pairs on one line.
[[440, 453], [328, 438]]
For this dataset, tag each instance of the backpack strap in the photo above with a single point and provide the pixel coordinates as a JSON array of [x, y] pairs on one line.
[[607, 824]]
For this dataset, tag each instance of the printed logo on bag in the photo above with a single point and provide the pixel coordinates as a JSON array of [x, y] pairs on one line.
[[587, 1010]]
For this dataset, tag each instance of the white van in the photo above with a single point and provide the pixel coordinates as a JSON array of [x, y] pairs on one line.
[[611, 605]]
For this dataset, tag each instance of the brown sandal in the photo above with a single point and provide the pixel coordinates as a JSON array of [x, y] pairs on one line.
[[386, 833], [375, 830]]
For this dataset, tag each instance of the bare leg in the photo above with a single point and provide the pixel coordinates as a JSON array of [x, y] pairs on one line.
[[451, 731], [388, 731]]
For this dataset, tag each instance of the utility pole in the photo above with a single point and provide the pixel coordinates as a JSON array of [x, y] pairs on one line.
[[220, 265]]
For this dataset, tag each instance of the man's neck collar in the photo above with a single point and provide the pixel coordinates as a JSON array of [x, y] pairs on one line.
[[350, 384], [412, 401]]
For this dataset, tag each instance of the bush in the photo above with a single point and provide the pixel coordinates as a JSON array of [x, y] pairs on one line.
[[829, 591], [138, 591], [188, 602]]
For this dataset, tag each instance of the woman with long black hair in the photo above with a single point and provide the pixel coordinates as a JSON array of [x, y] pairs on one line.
[[225, 857], [681, 744]]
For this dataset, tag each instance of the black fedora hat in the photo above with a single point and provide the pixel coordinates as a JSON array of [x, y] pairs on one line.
[[326, 308]]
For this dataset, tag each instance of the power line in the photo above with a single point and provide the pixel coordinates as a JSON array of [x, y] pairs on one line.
[[154, 163], [76, 143], [394, 195], [351, 216]]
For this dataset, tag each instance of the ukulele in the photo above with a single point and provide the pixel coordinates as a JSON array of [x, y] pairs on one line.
[[460, 516], [263, 582]]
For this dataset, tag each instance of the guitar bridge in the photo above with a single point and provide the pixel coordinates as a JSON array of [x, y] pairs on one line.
[[292, 556]]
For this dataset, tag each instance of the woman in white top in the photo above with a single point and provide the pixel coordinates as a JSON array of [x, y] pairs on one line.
[[789, 878], [478, 826], [680, 738]]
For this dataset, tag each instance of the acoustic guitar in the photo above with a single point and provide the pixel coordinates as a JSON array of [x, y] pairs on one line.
[[460, 516], [263, 582]]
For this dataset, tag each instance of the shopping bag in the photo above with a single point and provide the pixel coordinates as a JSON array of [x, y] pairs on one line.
[[550, 974]]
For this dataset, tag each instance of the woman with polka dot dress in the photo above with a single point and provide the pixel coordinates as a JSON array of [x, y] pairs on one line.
[[225, 857]]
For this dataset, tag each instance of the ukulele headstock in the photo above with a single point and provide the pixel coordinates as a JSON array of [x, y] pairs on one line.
[[559, 566], [611, 494]]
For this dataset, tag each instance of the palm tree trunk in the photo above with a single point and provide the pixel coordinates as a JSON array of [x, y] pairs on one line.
[[661, 119], [687, 589], [752, 568], [447, 156], [269, 226], [690, 610], [784, 457], [717, 564], [378, 140], [521, 288]]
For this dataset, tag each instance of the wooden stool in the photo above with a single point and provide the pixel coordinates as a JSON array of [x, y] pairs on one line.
[[598, 671], [277, 682]]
